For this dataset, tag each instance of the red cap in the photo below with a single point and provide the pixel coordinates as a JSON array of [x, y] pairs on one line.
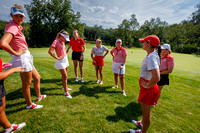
[[153, 39]]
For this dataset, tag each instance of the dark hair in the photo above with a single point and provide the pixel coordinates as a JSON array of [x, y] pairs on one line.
[[158, 49]]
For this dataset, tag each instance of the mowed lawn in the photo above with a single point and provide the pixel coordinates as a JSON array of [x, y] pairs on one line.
[[99, 108]]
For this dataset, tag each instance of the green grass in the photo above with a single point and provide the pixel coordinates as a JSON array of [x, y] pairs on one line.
[[96, 108]]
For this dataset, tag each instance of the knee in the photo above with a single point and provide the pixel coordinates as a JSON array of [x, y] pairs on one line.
[[64, 77], [2, 108], [37, 79]]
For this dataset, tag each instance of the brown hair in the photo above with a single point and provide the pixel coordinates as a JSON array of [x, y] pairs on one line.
[[62, 31], [17, 6]]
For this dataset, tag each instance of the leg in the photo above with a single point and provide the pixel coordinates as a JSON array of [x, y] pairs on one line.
[[160, 88], [116, 78], [36, 80], [64, 78], [75, 67], [101, 72], [122, 82], [146, 118], [3, 118], [81, 68], [26, 83], [97, 71]]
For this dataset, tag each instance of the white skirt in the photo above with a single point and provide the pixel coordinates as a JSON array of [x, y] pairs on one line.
[[24, 60], [116, 68], [62, 64]]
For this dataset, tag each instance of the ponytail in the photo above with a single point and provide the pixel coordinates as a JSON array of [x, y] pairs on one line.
[[159, 51]]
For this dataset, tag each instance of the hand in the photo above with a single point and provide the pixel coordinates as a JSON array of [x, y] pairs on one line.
[[20, 51], [60, 57], [143, 83], [94, 61], [81, 58], [121, 67], [19, 69]]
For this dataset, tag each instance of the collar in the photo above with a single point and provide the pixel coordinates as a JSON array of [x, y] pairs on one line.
[[60, 41], [166, 56], [119, 49], [18, 26]]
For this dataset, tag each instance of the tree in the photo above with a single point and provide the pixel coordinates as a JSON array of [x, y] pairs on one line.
[[48, 17], [196, 15]]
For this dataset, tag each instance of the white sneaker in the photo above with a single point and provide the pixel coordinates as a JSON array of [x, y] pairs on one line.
[[138, 124], [68, 95], [116, 86], [135, 131], [101, 82], [14, 127], [123, 92], [76, 79], [97, 81], [82, 80], [40, 98], [67, 89], [34, 106]]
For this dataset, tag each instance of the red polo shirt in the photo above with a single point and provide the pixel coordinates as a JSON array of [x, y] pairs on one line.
[[77, 45]]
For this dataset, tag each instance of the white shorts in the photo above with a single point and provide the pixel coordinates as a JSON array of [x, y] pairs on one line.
[[62, 64], [24, 60], [116, 69]]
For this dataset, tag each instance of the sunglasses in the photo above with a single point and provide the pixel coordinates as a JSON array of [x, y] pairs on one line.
[[18, 10]]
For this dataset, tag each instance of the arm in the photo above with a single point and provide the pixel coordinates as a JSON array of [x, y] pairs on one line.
[[4, 44], [106, 53], [155, 78], [7, 73], [68, 48], [51, 49], [112, 53], [84, 49], [92, 56], [169, 70]]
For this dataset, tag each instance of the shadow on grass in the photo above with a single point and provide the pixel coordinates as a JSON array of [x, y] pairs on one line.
[[92, 92], [128, 113]]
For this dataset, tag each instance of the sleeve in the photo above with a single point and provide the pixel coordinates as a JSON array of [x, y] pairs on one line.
[[171, 62], [82, 42], [12, 29], [104, 48], [112, 50], [152, 63], [92, 52], [54, 43], [125, 52], [70, 42]]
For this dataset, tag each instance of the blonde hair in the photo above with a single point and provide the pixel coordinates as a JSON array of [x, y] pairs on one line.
[[17, 6], [99, 40], [62, 31]]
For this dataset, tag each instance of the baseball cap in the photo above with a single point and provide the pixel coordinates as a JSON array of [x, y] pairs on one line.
[[65, 36], [166, 46], [119, 40], [15, 11], [152, 39]]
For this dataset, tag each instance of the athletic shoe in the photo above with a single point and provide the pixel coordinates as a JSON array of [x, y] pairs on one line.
[[101, 82], [67, 89], [14, 127], [155, 104], [116, 86], [34, 106], [82, 80], [135, 131], [76, 79], [68, 95], [97, 81], [40, 98], [138, 124], [123, 92]]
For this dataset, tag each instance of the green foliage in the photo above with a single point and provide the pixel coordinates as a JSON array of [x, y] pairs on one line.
[[48, 17]]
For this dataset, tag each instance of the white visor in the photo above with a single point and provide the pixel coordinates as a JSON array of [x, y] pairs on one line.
[[15, 11], [65, 36]]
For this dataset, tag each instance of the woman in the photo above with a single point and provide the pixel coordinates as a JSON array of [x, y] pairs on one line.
[[62, 61], [14, 43], [119, 55], [78, 47], [98, 61], [149, 76], [166, 66], [4, 122]]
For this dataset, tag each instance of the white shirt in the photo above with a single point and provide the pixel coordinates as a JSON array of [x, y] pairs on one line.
[[98, 51], [150, 62]]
